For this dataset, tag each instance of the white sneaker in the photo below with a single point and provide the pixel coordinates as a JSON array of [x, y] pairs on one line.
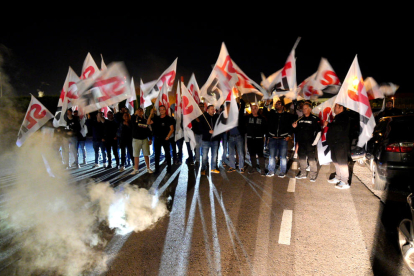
[[96, 165], [122, 169], [308, 169], [295, 156], [333, 180], [134, 172], [342, 186], [149, 170]]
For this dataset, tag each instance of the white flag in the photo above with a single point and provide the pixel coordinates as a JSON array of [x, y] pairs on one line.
[[68, 95], [129, 104], [286, 80], [168, 77], [325, 113], [103, 65], [163, 99], [266, 82], [89, 67], [36, 116], [190, 108], [189, 137], [353, 95], [193, 88], [178, 114], [144, 102], [372, 88], [326, 79], [106, 88]]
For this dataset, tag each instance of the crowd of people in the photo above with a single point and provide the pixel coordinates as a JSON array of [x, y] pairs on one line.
[[122, 137]]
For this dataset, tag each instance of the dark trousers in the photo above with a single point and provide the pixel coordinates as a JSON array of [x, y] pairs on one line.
[[180, 143], [112, 144], [307, 150], [158, 143], [255, 146], [173, 149], [126, 146]]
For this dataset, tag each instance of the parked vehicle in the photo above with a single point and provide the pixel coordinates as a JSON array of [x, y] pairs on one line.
[[390, 152], [406, 237]]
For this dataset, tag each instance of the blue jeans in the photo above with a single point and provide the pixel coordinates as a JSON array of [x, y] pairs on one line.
[[96, 146], [236, 141], [224, 143], [81, 145], [214, 147], [279, 146]]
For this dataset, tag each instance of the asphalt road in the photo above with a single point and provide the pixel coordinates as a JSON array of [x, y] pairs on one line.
[[242, 224]]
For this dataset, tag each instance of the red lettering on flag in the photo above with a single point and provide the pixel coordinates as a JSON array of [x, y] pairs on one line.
[[37, 114], [187, 107], [287, 66], [359, 97], [329, 78], [88, 72]]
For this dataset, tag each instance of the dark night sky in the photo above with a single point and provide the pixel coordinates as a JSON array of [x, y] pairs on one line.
[[43, 50]]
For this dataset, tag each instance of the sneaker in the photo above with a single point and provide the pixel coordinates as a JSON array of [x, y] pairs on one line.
[[281, 175], [270, 174], [231, 170], [96, 166], [122, 169], [308, 168], [312, 179], [134, 172], [295, 156], [241, 170], [203, 172], [149, 170], [333, 180], [342, 186], [215, 171], [300, 176], [252, 170]]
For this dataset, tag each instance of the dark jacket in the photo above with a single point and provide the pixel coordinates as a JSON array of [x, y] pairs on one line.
[[97, 129], [279, 124], [111, 128], [206, 122], [338, 130], [255, 126], [307, 129], [73, 127]]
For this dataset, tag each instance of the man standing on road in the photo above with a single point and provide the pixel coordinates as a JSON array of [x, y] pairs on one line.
[[198, 133], [280, 131], [207, 123], [163, 128], [70, 139], [339, 144], [307, 133], [110, 139], [256, 127], [235, 139], [141, 139]]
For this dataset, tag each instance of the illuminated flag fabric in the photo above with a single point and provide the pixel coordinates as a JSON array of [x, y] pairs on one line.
[[163, 99], [353, 95], [286, 80], [36, 116], [104, 89], [68, 95], [372, 88], [326, 79], [228, 119], [266, 82], [103, 65], [178, 114], [388, 88], [307, 88], [193, 88], [325, 113], [190, 108], [143, 101], [168, 77], [89, 67], [129, 104]]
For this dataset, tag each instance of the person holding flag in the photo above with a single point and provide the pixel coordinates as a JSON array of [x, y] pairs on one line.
[[339, 143], [141, 139], [70, 140], [207, 123], [307, 133], [235, 138], [163, 128]]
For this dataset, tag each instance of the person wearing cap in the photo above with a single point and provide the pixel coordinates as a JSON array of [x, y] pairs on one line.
[[307, 133], [207, 123], [279, 131], [256, 128]]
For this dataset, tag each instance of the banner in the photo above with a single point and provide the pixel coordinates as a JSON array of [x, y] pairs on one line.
[[144, 102], [353, 95], [193, 88], [326, 79], [168, 77], [163, 99], [109, 87], [36, 116], [89, 67], [286, 80], [103, 65], [325, 112]]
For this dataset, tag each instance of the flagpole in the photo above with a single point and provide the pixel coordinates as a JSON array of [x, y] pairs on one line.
[[296, 43]]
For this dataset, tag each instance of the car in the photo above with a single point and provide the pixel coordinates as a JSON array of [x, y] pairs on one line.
[[390, 152]]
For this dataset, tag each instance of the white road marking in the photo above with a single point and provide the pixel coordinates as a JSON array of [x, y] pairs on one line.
[[286, 227], [294, 165], [291, 186]]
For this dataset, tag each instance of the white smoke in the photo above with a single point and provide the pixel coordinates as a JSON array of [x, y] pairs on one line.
[[57, 224]]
